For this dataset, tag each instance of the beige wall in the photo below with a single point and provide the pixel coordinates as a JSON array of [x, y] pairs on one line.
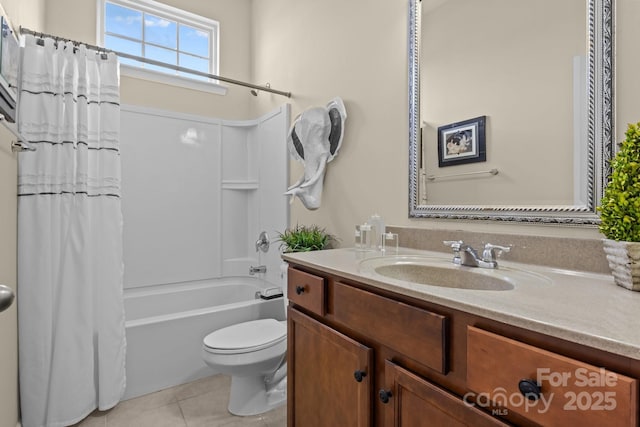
[[357, 50], [27, 13], [8, 318]]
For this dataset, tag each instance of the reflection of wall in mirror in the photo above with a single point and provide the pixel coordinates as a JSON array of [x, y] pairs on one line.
[[627, 65], [513, 61]]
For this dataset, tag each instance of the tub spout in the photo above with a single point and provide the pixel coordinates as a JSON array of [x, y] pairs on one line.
[[259, 269]]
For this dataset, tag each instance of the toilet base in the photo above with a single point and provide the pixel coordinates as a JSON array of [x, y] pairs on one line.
[[252, 396]]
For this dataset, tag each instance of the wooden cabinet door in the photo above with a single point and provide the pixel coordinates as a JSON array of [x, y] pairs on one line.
[[329, 376], [412, 401]]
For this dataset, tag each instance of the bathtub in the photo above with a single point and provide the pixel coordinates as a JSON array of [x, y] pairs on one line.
[[165, 326]]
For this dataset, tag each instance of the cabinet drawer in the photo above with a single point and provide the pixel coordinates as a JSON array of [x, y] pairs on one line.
[[571, 392], [414, 332], [307, 290]]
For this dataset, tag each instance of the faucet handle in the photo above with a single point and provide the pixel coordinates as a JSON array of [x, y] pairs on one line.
[[262, 244], [456, 245], [488, 254]]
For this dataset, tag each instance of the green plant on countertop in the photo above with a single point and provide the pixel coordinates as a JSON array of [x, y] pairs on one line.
[[304, 238], [620, 206]]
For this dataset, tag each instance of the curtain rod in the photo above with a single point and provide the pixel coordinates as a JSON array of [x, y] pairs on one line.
[[24, 30]]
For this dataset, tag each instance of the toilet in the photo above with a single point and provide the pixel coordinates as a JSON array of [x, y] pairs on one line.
[[254, 354]]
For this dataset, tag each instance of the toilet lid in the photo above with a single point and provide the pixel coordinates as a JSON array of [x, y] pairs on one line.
[[255, 334]]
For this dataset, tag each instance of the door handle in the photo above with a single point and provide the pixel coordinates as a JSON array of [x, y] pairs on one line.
[[6, 297]]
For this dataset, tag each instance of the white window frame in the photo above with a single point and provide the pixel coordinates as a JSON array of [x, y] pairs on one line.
[[173, 14]]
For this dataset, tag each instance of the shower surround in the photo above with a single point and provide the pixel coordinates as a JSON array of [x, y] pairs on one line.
[[196, 193]]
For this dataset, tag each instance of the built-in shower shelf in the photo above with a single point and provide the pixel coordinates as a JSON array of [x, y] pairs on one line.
[[240, 185]]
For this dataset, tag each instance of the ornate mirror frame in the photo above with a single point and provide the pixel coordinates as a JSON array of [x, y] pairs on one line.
[[600, 132]]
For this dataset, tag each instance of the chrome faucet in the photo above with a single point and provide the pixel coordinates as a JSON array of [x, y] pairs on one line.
[[464, 254], [258, 269]]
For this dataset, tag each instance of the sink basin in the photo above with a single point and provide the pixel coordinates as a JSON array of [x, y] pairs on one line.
[[443, 273], [445, 277]]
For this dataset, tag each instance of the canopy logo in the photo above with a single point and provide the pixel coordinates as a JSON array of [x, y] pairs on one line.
[[580, 390]]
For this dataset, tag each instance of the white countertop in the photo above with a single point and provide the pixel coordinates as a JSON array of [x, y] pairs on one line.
[[584, 308]]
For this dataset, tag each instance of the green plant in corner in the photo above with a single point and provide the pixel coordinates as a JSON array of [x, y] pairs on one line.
[[304, 238], [620, 206]]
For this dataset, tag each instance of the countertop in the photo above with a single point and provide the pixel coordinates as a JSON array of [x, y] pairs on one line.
[[580, 307]]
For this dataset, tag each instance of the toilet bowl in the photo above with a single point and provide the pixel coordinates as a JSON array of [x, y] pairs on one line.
[[254, 354]]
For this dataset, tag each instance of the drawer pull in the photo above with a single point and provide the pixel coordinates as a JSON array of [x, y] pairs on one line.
[[359, 375], [384, 395], [299, 290], [530, 389]]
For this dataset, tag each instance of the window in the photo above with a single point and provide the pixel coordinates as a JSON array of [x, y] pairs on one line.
[[163, 33]]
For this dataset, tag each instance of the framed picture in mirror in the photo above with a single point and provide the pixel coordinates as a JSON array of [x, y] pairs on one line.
[[462, 142]]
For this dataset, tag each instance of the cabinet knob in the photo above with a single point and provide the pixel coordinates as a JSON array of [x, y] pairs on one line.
[[530, 389], [384, 395], [359, 375], [299, 289]]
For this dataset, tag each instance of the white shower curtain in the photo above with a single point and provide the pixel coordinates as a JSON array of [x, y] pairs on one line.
[[70, 272]]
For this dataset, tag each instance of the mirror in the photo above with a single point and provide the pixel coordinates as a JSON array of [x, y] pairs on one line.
[[510, 109]]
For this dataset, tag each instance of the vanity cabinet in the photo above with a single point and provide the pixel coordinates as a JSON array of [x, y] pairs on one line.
[[363, 356], [332, 381]]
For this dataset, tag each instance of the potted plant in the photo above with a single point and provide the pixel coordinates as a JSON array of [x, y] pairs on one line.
[[302, 238], [620, 212]]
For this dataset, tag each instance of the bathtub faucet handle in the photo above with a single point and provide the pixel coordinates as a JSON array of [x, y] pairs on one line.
[[262, 244]]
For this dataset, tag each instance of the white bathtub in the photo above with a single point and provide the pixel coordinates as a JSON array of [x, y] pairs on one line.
[[165, 326]]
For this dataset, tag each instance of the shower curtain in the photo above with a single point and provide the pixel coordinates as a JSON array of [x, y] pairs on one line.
[[70, 271]]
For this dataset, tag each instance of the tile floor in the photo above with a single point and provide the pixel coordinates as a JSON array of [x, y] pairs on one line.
[[202, 403]]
